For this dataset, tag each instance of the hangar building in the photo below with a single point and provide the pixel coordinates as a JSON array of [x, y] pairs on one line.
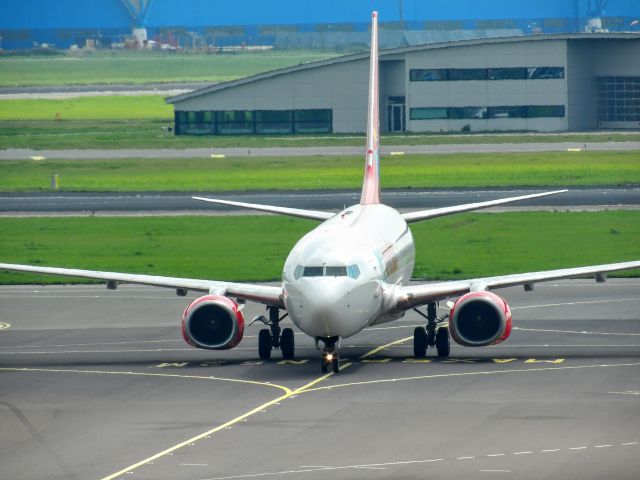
[[535, 83]]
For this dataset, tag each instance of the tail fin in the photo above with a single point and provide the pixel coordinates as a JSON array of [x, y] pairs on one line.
[[371, 183]]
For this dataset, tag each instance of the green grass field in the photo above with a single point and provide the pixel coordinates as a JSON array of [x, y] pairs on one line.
[[298, 173], [129, 67], [139, 107], [254, 248]]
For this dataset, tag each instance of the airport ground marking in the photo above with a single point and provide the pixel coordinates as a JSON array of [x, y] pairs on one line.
[[587, 302], [470, 374], [371, 353], [382, 466], [4, 326], [289, 393], [145, 374], [580, 332]]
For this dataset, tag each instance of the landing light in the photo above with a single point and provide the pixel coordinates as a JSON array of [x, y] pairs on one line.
[[329, 357]]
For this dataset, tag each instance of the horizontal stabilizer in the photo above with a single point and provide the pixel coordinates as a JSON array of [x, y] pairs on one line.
[[293, 212], [441, 212]]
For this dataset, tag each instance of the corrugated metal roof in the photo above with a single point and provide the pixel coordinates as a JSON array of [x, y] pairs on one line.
[[401, 50]]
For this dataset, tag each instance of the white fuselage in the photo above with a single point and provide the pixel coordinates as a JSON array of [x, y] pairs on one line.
[[336, 276]]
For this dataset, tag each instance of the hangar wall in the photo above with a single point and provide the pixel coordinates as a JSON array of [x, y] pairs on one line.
[[489, 93], [553, 83]]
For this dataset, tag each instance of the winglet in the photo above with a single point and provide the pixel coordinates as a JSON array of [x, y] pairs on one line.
[[371, 183]]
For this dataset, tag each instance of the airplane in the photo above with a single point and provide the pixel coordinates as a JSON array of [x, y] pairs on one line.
[[349, 273]]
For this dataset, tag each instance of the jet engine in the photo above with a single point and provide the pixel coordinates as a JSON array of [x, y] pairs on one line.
[[479, 319], [213, 322]]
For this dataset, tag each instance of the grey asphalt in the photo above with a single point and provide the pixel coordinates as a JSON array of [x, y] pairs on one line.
[[145, 202], [26, 154], [95, 382]]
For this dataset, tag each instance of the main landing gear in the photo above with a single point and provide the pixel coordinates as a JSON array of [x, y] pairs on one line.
[[274, 338], [433, 335], [330, 355]]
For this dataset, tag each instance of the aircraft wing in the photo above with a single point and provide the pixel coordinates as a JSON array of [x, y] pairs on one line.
[[269, 295], [409, 296], [440, 212], [293, 212]]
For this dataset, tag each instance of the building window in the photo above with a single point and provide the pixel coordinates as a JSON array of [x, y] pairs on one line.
[[467, 74], [618, 99], [541, 111], [242, 122], [512, 73], [479, 113], [235, 122], [544, 73], [428, 113], [428, 75], [312, 121], [274, 121], [195, 123], [507, 112], [507, 73], [467, 112]]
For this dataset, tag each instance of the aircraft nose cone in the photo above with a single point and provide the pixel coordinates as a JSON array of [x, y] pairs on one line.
[[330, 308]]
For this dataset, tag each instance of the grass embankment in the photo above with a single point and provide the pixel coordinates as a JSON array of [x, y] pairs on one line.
[[298, 173], [134, 67], [254, 248]]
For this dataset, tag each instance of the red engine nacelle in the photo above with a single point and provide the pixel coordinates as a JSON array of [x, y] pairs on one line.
[[213, 322], [479, 319]]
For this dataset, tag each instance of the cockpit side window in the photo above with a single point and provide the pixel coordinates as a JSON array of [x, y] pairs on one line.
[[353, 271]]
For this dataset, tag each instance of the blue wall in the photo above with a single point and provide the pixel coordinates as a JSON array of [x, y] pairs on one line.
[[41, 20]]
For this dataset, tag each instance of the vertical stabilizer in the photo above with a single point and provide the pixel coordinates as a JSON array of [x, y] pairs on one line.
[[371, 183]]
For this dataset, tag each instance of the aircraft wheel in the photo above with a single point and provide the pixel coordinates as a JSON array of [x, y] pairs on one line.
[[335, 363], [419, 342], [442, 342], [264, 344], [287, 344], [324, 367]]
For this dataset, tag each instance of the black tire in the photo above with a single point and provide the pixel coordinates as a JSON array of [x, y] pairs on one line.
[[287, 344], [442, 342], [419, 342], [264, 344], [324, 367], [335, 363]]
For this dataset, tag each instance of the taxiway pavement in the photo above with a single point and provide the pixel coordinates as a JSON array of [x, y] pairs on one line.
[[86, 154], [98, 384], [415, 199]]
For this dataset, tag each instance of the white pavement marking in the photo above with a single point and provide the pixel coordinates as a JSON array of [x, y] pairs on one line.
[[628, 392], [579, 332], [381, 466], [590, 302], [470, 374]]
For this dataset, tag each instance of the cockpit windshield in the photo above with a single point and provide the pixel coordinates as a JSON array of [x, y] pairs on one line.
[[351, 271]]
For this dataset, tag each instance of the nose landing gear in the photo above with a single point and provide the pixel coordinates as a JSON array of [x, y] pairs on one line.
[[330, 355]]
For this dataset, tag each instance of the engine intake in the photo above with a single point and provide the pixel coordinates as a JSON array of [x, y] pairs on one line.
[[479, 319], [213, 322]]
